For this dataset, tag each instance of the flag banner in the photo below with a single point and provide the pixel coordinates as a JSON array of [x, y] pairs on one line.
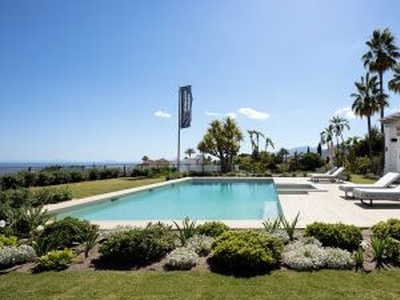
[[185, 102]]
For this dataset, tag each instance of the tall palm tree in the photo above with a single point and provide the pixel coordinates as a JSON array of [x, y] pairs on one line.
[[190, 152], [283, 154], [394, 83], [339, 125], [366, 101], [327, 139], [381, 57], [268, 142]]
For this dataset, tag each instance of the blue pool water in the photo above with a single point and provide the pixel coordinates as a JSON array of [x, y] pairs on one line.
[[201, 201]]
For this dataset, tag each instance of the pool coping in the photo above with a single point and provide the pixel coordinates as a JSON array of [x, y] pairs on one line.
[[114, 224]]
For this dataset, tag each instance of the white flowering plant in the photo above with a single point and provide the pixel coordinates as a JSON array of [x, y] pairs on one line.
[[201, 244], [181, 258], [15, 255]]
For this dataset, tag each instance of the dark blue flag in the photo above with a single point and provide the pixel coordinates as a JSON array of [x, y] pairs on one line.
[[185, 102]]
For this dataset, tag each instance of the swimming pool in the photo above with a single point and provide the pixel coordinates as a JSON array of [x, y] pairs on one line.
[[198, 199]]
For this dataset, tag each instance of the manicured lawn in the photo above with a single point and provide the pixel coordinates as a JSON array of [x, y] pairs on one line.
[[200, 285], [91, 188], [361, 179]]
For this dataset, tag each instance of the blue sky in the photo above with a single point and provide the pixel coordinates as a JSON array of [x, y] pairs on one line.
[[98, 80]]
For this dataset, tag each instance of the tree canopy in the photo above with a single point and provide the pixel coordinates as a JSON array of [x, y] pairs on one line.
[[222, 140]]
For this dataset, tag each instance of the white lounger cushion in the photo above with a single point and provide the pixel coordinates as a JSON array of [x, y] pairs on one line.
[[377, 194]]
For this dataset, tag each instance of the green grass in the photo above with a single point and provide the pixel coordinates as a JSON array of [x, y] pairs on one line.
[[200, 285], [361, 179], [91, 188]]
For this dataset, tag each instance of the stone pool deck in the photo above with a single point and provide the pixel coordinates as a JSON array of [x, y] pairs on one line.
[[332, 207], [328, 205]]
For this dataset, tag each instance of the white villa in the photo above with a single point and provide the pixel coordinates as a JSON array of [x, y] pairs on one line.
[[392, 142]]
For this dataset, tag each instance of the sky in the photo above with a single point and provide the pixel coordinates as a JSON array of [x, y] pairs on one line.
[[96, 80]]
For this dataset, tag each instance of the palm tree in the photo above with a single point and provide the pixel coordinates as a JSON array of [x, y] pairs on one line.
[[339, 125], [268, 142], [283, 154], [380, 58], [327, 139], [366, 101], [394, 84], [190, 152]]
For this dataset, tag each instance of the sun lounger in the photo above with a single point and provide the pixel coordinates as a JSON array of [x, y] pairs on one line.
[[383, 182], [377, 194], [335, 176], [329, 172]]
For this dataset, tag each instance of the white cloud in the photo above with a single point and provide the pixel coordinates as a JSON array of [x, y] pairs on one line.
[[231, 115], [253, 114], [213, 114], [345, 112], [162, 114]]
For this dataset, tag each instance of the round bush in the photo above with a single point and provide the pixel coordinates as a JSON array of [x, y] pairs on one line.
[[243, 252], [181, 258], [342, 236], [390, 228], [138, 247], [63, 233], [201, 244], [212, 229]]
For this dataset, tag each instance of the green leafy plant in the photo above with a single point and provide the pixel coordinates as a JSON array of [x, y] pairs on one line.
[[137, 247], [378, 247], [90, 236], [290, 227], [8, 240], [343, 236], [186, 231], [24, 220], [358, 257], [55, 260], [245, 252], [212, 229], [272, 225]]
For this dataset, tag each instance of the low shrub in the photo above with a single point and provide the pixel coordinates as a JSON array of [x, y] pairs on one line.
[[138, 247], [8, 240], [201, 244], [55, 260], [15, 255], [212, 229], [245, 252], [63, 233], [342, 236], [181, 258]]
